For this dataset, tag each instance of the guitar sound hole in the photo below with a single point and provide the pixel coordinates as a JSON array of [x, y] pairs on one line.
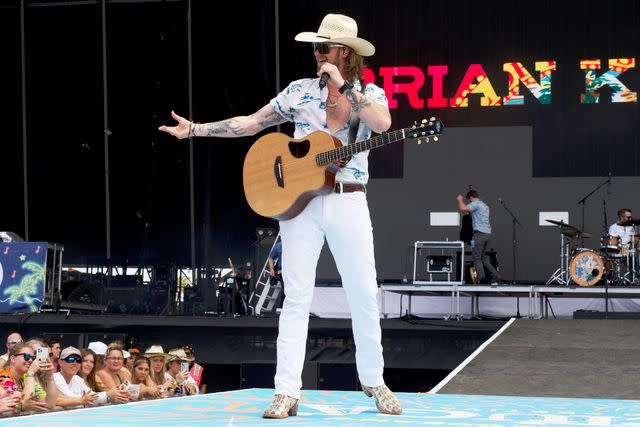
[[299, 149]]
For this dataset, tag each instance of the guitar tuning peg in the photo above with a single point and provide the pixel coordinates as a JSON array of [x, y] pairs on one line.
[[435, 139]]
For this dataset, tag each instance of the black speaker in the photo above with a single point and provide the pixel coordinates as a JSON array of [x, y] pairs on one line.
[[310, 376], [337, 376], [257, 375]]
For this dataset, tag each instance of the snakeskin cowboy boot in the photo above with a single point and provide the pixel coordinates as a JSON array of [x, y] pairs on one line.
[[386, 402], [281, 407]]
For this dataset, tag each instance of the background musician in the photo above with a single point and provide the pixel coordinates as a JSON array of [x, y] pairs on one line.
[[624, 232], [481, 235]]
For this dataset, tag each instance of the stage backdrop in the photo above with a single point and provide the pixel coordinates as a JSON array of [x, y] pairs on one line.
[[539, 102]]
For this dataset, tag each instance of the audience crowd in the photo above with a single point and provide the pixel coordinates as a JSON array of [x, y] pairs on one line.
[[39, 376]]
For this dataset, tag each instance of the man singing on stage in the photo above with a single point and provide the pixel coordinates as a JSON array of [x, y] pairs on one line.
[[329, 103]]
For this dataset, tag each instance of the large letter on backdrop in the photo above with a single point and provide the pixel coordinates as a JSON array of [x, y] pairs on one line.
[[475, 73], [437, 72], [411, 89], [617, 66], [517, 74]]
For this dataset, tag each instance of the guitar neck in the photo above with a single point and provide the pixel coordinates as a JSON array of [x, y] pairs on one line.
[[345, 151]]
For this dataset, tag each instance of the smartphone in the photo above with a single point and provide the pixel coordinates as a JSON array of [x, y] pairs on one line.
[[184, 367], [42, 353]]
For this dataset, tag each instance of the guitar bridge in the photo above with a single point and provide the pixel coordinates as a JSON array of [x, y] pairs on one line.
[[277, 170]]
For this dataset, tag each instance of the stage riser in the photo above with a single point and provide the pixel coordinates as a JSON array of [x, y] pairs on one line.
[[316, 376], [438, 345]]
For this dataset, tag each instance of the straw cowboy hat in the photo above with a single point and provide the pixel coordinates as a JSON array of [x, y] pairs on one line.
[[339, 29], [178, 354], [156, 351]]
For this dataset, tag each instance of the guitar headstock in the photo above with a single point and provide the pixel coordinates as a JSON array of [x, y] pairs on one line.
[[425, 130]]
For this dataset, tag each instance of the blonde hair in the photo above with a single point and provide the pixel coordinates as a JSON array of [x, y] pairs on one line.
[[40, 376], [158, 378], [353, 66], [17, 349], [91, 376]]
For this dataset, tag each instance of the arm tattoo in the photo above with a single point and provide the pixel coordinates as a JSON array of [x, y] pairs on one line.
[[272, 119], [357, 104], [223, 127]]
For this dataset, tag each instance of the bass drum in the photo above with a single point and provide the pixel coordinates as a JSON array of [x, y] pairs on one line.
[[587, 268]]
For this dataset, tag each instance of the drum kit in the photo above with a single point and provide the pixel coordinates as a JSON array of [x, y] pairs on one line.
[[613, 261]]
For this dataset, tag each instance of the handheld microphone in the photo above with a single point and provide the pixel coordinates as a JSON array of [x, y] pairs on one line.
[[324, 78]]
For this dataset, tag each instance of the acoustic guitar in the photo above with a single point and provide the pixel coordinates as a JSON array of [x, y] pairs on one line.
[[281, 175]]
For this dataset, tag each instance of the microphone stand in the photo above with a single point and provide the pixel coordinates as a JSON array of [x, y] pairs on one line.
[[584, 200], [606, 262], [514, 222]]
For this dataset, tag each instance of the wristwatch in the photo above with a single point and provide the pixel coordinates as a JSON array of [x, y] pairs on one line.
[[345, 87], [30, 374]]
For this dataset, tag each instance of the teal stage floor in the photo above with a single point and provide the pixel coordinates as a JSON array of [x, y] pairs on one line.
[[336, 408]]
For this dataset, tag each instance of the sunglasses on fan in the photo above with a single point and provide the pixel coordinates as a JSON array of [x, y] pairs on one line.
[[27, 356], [71, 359]]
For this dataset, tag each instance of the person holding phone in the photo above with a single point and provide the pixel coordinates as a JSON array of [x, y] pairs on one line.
[[19, 379], [178, 371], [43, 387]]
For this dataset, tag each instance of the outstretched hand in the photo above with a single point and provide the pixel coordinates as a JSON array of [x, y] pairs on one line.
[[181, 130]]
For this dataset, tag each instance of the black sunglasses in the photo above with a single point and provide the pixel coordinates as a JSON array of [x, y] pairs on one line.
[[27, 356], [71, 359], [324, 48]]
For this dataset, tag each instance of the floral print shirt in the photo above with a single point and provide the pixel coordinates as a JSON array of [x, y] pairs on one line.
[[305, 104]]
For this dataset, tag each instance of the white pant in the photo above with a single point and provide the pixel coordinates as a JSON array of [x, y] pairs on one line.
[[344, 220]]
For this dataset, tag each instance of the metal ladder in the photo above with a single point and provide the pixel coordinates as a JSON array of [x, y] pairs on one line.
[[265, 296]]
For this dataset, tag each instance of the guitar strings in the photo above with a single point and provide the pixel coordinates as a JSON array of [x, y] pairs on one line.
[[329, 155]]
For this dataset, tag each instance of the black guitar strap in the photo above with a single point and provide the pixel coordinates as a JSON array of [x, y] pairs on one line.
[[355, 122], [353, 129]]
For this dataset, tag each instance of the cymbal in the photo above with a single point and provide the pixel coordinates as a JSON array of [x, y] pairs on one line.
[[560, 223], [570, 231], [628, 222], [576, 233]]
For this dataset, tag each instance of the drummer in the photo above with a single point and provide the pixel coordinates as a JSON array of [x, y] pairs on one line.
[[624, 232]]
